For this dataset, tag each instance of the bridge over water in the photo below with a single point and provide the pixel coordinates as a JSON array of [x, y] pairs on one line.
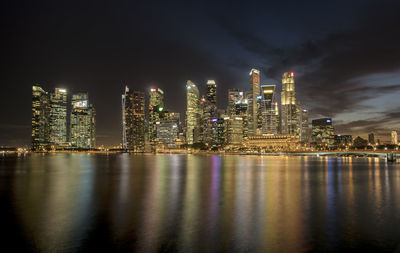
[[350, 153]]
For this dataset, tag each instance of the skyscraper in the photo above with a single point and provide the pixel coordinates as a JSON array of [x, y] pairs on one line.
[[58, 118], [192, 111], [323, 132], [289, 119], [303, 125], [234, 96], [371, 138], [252, 98], [156, 111], [82, 122], [167, 132], [92, 126], [133, 120], [206, 113], [208, 110], [269, 109], [394, 138], [40, 114], [211, 96], [233, 130]]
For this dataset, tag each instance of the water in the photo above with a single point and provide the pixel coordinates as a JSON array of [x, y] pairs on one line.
[[198, 203]]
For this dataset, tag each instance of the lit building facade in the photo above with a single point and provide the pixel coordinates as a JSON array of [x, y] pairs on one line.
[[167, 132], [211, 96], [82, 122], [233, 131], [156, 111], [272, 143], [92, 126], [289, 118], [206, 114], [253, 102], [133, 120], [371, 138], [192, 111], [219, 132], [235, 96], [40, 115], [269, 109], [394, 138], [58, 118], [323, 133], [208, 110], [303, 125], [343, 141]]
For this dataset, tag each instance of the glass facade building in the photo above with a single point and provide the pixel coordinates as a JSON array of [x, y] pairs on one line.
[[156, 112], [269, 109], [58, 118], [192, 111], [323, 133], [289, 118], [40, 119], [133, 120], [253, 102], [82, 123]]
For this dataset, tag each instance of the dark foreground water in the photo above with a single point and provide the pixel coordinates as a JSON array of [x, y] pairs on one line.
[[179, 203]]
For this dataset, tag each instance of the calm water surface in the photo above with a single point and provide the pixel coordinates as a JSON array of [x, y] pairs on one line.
[[198, 203]]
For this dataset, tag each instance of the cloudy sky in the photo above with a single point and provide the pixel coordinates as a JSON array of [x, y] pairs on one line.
[[345, 55]]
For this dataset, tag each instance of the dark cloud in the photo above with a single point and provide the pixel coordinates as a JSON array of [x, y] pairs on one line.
[[380, 125], [326, 68]]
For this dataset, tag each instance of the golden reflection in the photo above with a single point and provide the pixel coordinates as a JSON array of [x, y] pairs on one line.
[[154, 203], [191, 208], [56, 198], [185, 203]]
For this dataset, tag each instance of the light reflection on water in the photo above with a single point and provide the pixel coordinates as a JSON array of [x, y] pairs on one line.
[[152, 203]]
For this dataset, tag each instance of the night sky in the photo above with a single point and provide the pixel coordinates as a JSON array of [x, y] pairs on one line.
[[345, 55]]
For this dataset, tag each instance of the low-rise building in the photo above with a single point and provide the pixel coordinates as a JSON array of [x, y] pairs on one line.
[[272, 142]]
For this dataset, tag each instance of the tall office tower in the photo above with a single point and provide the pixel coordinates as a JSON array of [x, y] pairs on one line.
[[289, 119], [168, 129], [82, 122], [206, 113], [127, 125], [133, 120], [218, 132], [156, 111], [371, 138], [233, 130], [394, 137], [92, 126], [234, 97], [192, 111], [58, 118], [211, 96], [303, 124], [167, 132], [176, 117], [253, 114], [269, 112], [323, 132], [40, 114], [240, 110]]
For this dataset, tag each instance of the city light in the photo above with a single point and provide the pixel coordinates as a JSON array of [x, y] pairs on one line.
[[238, 126]]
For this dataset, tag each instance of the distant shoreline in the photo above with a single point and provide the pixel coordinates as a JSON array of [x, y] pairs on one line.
[[185, 152]]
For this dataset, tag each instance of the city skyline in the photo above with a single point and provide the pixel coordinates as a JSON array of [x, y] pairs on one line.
[[342, 71], [206, 98], [252, 120]]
